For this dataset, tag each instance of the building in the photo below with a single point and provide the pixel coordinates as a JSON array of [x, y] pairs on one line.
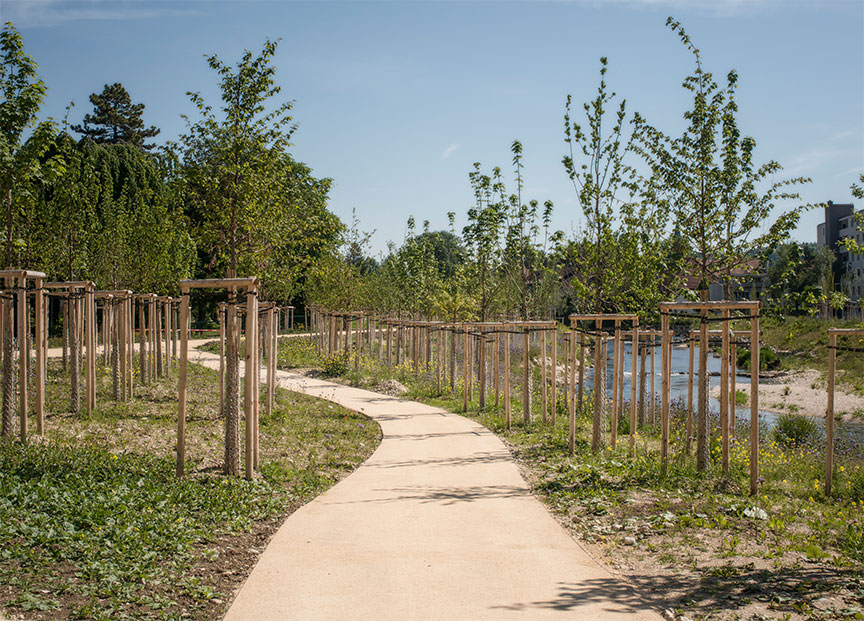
[[843, 222], [748, 282]]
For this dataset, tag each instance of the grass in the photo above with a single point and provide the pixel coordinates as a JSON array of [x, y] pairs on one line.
[[802, 343], [702, 545], [94, 524]]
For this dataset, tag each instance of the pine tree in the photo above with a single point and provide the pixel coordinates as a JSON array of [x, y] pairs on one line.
[[116, 119]]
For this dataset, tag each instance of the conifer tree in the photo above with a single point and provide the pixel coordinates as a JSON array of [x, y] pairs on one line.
[[116, 119]]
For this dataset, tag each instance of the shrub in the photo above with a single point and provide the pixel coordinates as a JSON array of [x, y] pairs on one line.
[[336, 364], [768, 360], [793, 430]]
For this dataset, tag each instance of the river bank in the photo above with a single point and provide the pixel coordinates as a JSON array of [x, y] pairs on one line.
[[803, 392]]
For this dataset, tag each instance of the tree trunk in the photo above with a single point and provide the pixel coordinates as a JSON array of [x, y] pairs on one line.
[[64, 316], [703, 449], [75, 355], [643, 382], [142, 343], [8, 371], [114, 336], [231, 412]]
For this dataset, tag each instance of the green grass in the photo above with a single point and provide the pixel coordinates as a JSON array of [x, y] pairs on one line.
[[94, 524], [802, 343]]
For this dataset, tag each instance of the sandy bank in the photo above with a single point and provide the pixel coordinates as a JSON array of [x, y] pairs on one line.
[[796, 393]]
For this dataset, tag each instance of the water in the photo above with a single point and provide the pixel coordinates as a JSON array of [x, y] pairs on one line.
[[678, 387]]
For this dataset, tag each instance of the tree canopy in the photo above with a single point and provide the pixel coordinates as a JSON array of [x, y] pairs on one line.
[[116, 120]]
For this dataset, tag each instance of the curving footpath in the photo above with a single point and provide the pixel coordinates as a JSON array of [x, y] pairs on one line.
[[436, 524]]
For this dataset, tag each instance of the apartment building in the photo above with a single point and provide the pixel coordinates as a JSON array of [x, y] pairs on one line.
[[841, 223]]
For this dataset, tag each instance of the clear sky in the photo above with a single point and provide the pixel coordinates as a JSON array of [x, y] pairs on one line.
[[396, 100]]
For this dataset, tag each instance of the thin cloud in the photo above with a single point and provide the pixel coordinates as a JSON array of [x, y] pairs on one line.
[[721, 8], [49, 13], [450, 150]]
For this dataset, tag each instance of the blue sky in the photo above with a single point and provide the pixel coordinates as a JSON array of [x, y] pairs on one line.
[[396, 100]]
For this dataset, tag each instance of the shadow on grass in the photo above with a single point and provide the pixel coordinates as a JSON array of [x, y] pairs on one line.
[[730, 592]]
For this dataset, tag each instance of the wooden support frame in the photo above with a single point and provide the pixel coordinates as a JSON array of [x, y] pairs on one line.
[[600, 374], [20, 279], [250, 287], [833, 334], [724, 307], [87, 289]]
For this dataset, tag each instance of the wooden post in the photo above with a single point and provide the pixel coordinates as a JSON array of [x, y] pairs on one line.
[[90, 337], [181, 382], [567, 363], [152, 340], [616, 386], [157, 338], [142, 348], [724, 391], [23, 354], [120, 326], [469, 355], [596, 434], [250, 392], [544, 401], [40, 355], [754, 402], [166, 313], [272, 359], [526, 376], [497, 345], [130, 347], [554, 373], [642, 345], [829, 412], [222, 335], [438, 362], [389, 345], [665, 354], [507, 380], [733, 387], [571, 438], [689, 425], [633, 384], [581, 395], [466, 365], [481, 341], [653, 403]]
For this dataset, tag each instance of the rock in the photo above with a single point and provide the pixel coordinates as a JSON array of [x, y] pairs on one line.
[[391, 387], [629, 541]]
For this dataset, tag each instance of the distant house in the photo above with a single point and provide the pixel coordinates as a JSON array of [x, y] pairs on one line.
[[840, 223], [748, 282]]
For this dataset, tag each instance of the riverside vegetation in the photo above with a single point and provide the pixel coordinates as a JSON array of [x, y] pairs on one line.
[[692, 542]]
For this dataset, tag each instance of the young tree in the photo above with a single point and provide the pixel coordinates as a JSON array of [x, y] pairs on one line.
[[482, 237], [234, 166], [597, 182], [707, 179], [22, 160], [524, 254], [116, 120]]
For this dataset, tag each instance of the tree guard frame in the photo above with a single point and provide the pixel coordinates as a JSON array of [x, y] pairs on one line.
[[249, 285], [10, 277], [704, 308], [89, 328], [617, 380], [833, 333]]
